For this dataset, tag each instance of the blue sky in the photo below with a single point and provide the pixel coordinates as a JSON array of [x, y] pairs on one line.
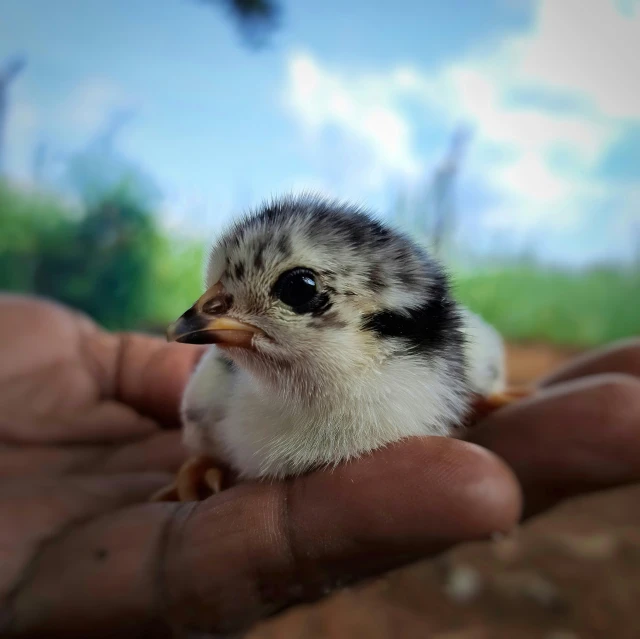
[[353, 101]]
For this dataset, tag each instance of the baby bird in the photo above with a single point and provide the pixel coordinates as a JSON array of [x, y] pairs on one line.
[[332, 335]]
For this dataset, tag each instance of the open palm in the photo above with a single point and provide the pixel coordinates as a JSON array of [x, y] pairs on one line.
[[87, 434], [80, 397]]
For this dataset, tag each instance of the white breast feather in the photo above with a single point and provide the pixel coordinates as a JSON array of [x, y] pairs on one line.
[[262, 434], [485, 353]]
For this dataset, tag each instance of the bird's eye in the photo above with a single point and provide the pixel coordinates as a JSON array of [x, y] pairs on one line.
[[297, 288]]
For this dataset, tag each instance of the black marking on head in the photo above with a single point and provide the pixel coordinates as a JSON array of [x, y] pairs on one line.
[[239, 271], [375, 279], [380, 234], [356, 233], [324, 221], [258, 260], [284, 246], [271, 213], [394, 259], [433, 328], [408, 278]]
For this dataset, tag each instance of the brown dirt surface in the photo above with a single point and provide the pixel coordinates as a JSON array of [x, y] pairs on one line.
[[527, 362]]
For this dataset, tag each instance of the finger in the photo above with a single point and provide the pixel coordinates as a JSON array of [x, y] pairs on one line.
[[302, 538], [575, 437], [161, 452], [152, 375], [37, 510], [621, 357], [26, 326], [103, 423], [145, 373], [221, 564]]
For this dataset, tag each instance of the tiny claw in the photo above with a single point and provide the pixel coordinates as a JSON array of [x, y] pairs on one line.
[[168, 493], [197, 477], [483, 406], [213, 479]]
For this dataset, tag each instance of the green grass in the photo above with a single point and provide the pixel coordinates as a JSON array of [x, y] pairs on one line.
[[178, 280], [583, 309]]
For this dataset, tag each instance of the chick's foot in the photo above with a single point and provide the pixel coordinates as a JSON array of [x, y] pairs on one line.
[[484, 405], [197, 479]]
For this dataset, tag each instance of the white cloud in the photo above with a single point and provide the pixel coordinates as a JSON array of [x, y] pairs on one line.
[[321, 99], [539, 158], [590, 49]]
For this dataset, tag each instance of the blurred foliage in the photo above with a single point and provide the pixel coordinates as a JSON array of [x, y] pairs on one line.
[[527, 301], [98, 260], [178, 281], [105, 257], [108, 270], [34, 232]]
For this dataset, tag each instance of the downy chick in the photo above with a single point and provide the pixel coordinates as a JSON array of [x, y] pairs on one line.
[[332, 334]]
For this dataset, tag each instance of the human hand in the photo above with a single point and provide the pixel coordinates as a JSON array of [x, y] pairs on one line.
[[580, 432], [82, 449], [85, 555]]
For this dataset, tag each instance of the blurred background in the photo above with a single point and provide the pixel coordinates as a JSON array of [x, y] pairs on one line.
[[504, 133]]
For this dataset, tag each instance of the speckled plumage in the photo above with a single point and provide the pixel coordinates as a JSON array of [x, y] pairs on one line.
[[381, 353]]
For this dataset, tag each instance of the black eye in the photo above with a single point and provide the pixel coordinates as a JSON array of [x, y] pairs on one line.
[[298, 289]]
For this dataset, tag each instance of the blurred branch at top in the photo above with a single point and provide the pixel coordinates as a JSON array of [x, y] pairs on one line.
[[9, 71], [256, 19]]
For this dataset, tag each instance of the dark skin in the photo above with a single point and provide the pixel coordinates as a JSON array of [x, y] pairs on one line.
[[89, 431]]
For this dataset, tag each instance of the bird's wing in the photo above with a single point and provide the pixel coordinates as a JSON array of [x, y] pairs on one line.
[[486, 356], [204, 402]]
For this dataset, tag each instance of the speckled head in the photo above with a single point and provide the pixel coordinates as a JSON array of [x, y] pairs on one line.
[[323, 284]]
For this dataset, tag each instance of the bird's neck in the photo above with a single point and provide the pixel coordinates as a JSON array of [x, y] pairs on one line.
[[295, 424]]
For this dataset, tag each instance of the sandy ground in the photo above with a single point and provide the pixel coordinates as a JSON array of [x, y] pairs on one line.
[[528, 362]]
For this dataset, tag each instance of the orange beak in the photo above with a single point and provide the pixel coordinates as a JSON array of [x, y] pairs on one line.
[[206, 322]]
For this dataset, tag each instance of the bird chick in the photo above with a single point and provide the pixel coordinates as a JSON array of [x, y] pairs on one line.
[[332, 335]]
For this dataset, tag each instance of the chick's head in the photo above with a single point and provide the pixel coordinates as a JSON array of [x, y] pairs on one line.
[[320, 292]]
